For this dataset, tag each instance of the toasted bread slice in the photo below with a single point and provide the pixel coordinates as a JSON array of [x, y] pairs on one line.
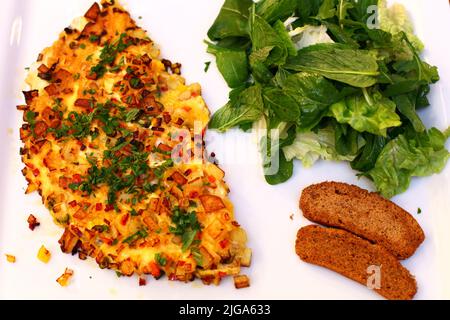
[[352, 257], [365, 214]]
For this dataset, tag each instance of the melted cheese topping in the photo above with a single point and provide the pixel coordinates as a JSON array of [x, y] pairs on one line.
[[103, 120]]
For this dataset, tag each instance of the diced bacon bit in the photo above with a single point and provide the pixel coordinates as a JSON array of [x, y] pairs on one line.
[[222, 274], [64, 182], [165, 202], [211, 203], [211, 179], [61, 76], [43, 68], [23, 107], [178, 178], [188, 172], [69, 242], [76, 178], [44, 255], [172, 277], [235, 223], [47, 76], [83, 103], [63, 280], [32, 222], [98, 207], [40, 128], [109, 207], [91, 76], [154, 270], [10, 258], [73, 203], [146, 59], [180, 121], [224, 243], [193, 194], [164, 147], [167, 118], [241, 281], [52, 90], [30, 95], [142, 281], [124, 219], [93, 12], [36, 172]]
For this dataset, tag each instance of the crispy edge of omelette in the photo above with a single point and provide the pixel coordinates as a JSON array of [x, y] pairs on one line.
[[56, 79]]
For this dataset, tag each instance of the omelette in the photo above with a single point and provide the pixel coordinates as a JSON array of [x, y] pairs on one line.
[[113, 143]]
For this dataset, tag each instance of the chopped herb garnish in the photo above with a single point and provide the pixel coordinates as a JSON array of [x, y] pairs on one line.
[[160, 259], [94, 38], [419, 211], [130, 115], [108, 55], [74, 186], [133, 212], [207, 65], [198, 257], [82, 46], [160, 170], [134, 237], [135, 83], [186, 226]]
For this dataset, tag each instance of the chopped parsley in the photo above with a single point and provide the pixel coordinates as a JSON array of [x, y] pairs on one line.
[[186, 225], [207, 64], [93, 38], [136, 83], [160, 170], [419, 211], [160, 259], [108, 55], [136, 236], [130, 114], [198, 257]]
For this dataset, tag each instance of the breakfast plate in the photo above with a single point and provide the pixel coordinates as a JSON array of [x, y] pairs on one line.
[[269, 214]]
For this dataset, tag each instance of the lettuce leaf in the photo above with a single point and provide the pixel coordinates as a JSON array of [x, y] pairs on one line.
[[407, 156], [367, 114], [395, 19], [312, 146], [309, 35]]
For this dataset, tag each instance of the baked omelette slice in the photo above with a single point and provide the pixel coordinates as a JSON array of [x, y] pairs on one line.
[[111, 141]]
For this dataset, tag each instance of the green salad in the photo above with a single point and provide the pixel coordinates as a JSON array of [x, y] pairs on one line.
[[340, 80]]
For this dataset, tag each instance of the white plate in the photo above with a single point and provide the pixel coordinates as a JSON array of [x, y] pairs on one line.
[[179, 27]]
